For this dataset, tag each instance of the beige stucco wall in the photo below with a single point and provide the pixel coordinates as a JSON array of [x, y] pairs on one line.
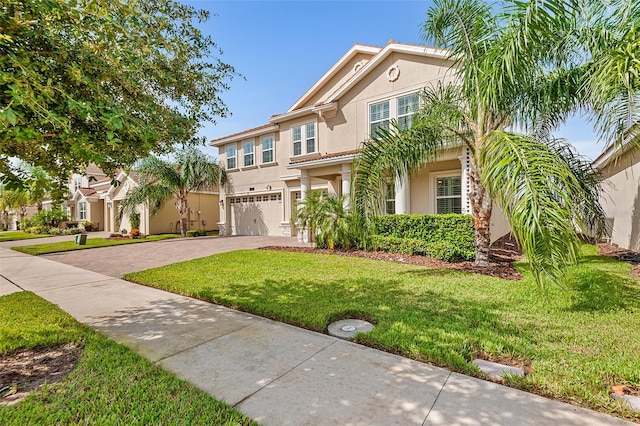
[[206, 204], [621, 200], [96, 214]]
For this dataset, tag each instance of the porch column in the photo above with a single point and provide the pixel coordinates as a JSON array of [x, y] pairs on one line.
[[305, 187], [465, 166], [112, 222], [105, 216], [346, 183], [402, 195]]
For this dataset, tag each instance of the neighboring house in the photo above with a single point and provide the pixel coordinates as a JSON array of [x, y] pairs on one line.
[[94, 198], [315, 142], [620, 166]]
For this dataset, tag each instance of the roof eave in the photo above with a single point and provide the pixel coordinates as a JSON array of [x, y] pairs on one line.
[[240, 136]]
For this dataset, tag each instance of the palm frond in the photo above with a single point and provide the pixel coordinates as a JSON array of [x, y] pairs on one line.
[[548, 194]]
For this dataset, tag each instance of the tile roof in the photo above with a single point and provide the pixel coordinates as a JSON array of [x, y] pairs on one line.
[[87, 191], [327, 156]]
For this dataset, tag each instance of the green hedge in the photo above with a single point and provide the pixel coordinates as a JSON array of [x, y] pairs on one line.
[[448, 237], [196, 233]]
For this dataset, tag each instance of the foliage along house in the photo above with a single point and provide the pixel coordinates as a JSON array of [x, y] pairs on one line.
[[315, 142], [620, 166], [96, 199]]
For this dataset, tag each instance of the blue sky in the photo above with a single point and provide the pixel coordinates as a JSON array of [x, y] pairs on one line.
[[283, 47]]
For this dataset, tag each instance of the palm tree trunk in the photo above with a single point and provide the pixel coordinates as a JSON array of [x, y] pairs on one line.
[[39, 205], [481, 205], [183, 209]]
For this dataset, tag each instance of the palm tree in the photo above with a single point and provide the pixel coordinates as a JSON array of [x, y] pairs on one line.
[[502, 81], [326, 218], [160, 181]]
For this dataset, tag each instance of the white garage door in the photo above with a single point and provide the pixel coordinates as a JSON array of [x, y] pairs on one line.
[[256, 214]]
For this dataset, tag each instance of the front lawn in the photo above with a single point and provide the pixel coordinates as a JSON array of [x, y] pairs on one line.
[[19, 235], [576, 343], [110, 384], [38, 249]]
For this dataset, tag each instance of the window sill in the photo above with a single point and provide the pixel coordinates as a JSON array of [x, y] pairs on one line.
[[233, 170], [249, 167], [271, 164]]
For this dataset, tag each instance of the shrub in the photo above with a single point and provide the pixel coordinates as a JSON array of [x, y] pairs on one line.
[[114, 235], [135, 233], [71, 231], [26, 223], [134, 219], [38, 230], [87, 225], [440, 249], [49, 218], [409, 246], [196, 233], [454, 229], [55, 231]]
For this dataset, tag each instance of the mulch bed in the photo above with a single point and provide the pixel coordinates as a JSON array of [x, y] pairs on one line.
[[624, 255], [504, 252], [24, 371]]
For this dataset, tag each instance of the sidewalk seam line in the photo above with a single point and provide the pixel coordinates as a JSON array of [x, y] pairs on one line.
[[283, 374], [437, 396], [17, 285], [202, 343], [70, 285]]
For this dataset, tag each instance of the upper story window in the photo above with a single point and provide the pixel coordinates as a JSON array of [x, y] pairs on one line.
[[231, 157], [378, 116], [267, 150], [77, 183], [402, 109], [449, 194], [247, 148], [82, 209], [306, 134], [407, 107]]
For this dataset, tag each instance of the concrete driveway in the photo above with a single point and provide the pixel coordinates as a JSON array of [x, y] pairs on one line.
[[116, 261]]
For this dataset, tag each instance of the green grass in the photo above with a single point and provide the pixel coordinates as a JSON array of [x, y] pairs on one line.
[[576, 343], [19, 235], [38, 249], [110, 384]]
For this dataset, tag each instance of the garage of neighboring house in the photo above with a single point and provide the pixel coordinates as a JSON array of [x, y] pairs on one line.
[[255, 214]]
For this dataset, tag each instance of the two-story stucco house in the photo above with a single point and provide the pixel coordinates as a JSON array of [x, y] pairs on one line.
[[315, 142]]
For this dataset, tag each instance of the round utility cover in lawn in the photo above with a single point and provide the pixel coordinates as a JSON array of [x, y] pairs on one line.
[[347, 328]]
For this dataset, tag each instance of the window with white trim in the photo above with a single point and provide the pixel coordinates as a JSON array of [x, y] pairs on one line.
[[247, 148], [306, 133], [379, 116], [82, 210], [401, 108], [231, 157], [407, 107], [267, 150], [448, 194], [77, 183]]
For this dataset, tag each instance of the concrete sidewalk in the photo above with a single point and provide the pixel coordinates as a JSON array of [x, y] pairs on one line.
[[276, 373]]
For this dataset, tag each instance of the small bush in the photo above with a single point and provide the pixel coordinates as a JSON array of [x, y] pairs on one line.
[[114, 235], [26, 223], [87, 225], [38, 230], [135, 233], [71, 231], [134, 219], [55, 231], [50, 218], [196, 233]]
